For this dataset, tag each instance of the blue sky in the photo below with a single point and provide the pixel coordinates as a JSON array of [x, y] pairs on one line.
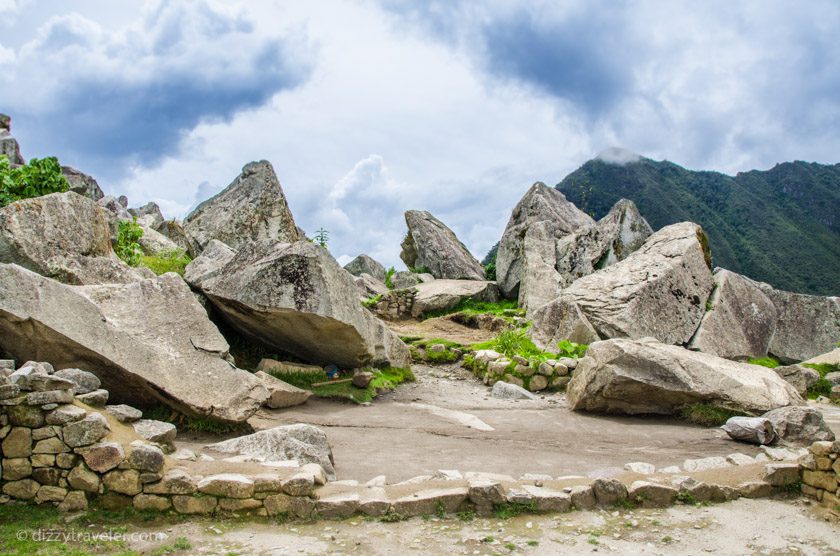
[[370, 108]]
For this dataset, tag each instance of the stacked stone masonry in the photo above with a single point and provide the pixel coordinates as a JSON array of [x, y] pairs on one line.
[[821, 473]]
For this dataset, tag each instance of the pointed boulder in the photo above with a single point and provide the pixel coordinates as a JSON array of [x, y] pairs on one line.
[[431, 245]]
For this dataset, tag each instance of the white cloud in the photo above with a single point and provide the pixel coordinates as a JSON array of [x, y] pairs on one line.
[[618, 156]]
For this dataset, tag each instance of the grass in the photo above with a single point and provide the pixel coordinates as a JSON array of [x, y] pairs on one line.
[[822, 387], [505, 308], [466, 515], [384, 379], [417, 343], [171, 261], [769, 362], [445, 356], [507, 510], [513, 342], [392, 517], [372, 301], [708, 415], [194, 424]]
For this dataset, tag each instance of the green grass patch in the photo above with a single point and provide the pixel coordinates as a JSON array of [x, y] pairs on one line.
[[194, 424], [707, 415], [470, 307], [507, 510], [372, 301], [169, 261], [769, 362], [440, 357], [384, 379], [822, 387]]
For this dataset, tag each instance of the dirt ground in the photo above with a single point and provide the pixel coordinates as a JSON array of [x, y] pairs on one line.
[[766, 527]]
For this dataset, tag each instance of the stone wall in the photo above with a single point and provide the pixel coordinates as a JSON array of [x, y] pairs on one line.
[[821, 473], [396, 304]]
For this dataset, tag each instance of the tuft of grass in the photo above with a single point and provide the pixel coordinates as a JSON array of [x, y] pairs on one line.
[[708, 415], [466, 515], [445, 356], [822, 387], [168, 261], [513, 342], [389, 278], [470, 307], [193, 423], [392, 517], [372, 301], [384, 379], [769, 362], [507, 510], [419, 269], [686, 498], [440, 510]]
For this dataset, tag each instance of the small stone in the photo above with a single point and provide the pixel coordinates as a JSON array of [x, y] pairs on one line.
[[65, 461], [609, 492], [740, 459], [337, 506], [26, 416], [84, 381], [89, 430], [652, 495], [51, 446], [509, 391], [65, 414], [97, 398], [82, 478], [37, 382], [583, 498], [755, 489], [44, 432], [781, 474], [640, 467], [537, 383], [50, 397], [124, 413], [278, 504], [299, 484], [229, 485], [702, 464], [43, 460], [52, 494], [9, 391], [362, 379], [75, 501], [103, 457]]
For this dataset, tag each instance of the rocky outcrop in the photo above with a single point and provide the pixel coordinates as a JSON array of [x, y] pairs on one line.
[[253, 207], [659, 291], [431, 245], [366, 265], [149, 213], [63, 236], [82, 183], [9, 146], [177, 235], [294, 297], [148, 342], [806, 325], [439, 295], [369, 286], [740, 319], [645, 376], [540, 204], [798, 426]]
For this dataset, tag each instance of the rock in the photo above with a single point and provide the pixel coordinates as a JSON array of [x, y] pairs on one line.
[[65, 414], [193, 505], [364, 264], [282, 394], [252, 208], [295, 298], [441, 295], [31, 379], [645, 376], [640, 467], [652, 495], [304, 443], [82, 183], [583, 498], [806, 326], [781, 474], [150, 213], [798, 426], [84, 381], [659, 291], [177, 235], [797, 376], [832, 378], [116, 211], [213, 259], [704, 464], [153, 242], [540, 204], [144, 502], [299, 484], [75, 501], [832, 358], [740, 319], [430, 244], [82, 478], [156, 431], [18, 443], [9, 146], [175, 481], [87, 431], [145, 457], [63, 236], [537, 383], [25, 489], [50, 446], [15, 469], [362, 379], [229, 485], [404, 279], [507, 391], [51, 397], [149, 341], [274, 367], [609, 492], [755, 430], [97, 398], [369, 287], [124, 413]]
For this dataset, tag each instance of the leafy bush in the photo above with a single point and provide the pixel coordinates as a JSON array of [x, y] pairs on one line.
[[39, 177], [768, 362], [490, 271], [571, 349], [389, 283], [167, 261], [128, 236]]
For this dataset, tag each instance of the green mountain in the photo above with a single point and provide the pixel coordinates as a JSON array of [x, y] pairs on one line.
[[780, 226]]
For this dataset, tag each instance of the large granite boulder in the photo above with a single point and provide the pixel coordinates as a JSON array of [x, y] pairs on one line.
[[64, 236], [369, 286], [148, 341], [439, 295], [294, 297], [9, 146], [806, 325], [430, 244], [175, 232], [304, 443], [646, 376], [153, 242], [798, 425], [150, 214], [253, 207], [366, 265], [540, 204], [740, 319], [82, 183], [658, 291]]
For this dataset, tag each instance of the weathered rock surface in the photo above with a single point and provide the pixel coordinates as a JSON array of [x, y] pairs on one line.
[[645, 376], [740, 321], [364, 264], [63, 236], [148, 342], [798, 376], [281, 394], [153, 242], [431, 244], [82, 183], [506, 391], [149, 213], [175, 232], [755, 430], [304, 443], [659, 291], [540, 204], [831, 357], [807, 325], [405, 279], [116, 210], [440, 295], [9, 146], [369, 286], [296, 298], [798, 426], [252, 207]]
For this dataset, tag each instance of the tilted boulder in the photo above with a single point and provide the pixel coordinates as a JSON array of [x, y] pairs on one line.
[[369, 286], [63, 236], [806, 325], [150, 212], [740, 320], [798, 426], [148, 341], [82, 183], [645, 376], [432, 245], [213, 259], [364, 264], [294, 297], [252, 207], [540, 204], [153, 242], [439, 295], [659, 291]]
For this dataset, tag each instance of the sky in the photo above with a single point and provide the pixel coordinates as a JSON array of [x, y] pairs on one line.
[[370, 108]]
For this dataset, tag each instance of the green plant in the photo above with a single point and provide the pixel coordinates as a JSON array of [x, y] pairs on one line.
[[667, 539], [510, 546], [128, 236], [571, 349], [768, 362], [533, 543], [322, 236], [392, 517], [422, 269], [507, 510], [166, 261], [490, 271], [372, 301], [821, 387], [685, 497], [708, 415], [466, 515], [488, 539], [389, 275], [440, 510], [507, 308], [39, 177], [445, 356]]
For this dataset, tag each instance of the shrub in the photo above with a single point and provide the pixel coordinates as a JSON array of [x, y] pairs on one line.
[[39, 177], [372, 301], [571, 349], [128, 235], [490, 271], [389, 283], [822, 387]]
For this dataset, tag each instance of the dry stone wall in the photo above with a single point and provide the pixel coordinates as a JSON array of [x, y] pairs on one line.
[[821, 473]]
